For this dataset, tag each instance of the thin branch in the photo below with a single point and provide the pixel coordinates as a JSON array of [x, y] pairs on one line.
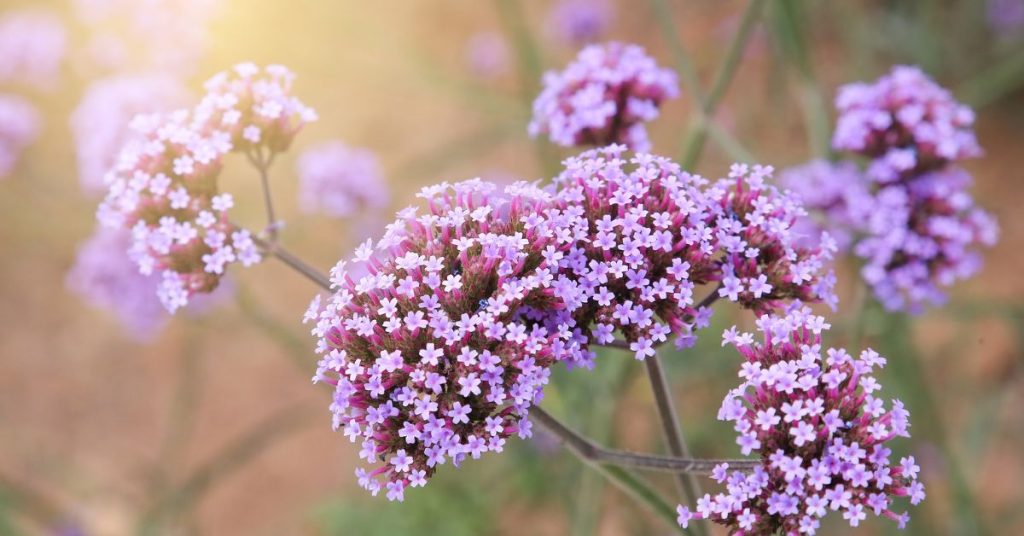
[[297, 264], [587, 450], [263, 167], [705, 119], [689, 488]]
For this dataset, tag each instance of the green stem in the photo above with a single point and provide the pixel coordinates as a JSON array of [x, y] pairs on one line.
[[789, 30], [704, 120], [687, 73], [530, 70]]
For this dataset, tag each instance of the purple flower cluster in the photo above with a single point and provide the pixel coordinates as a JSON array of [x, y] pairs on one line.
[[648, 234], [836, 196], [435, 353], [821, 432], [439, 349], [605, 96], [919, 237], [19, 127], [578, 22], [917, 223], [340, 181], [100, 122], [164, 184], [906, 123], [33, 44]]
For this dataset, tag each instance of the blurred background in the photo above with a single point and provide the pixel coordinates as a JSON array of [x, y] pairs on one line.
[[207, 423]]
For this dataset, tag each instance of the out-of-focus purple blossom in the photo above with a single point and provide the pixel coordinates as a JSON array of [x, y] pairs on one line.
[[821, 432], [919, 227], [906, 123], [433, 353], [921, 236], [486, 55], [164, 184], [130, 35], [605, 96], [100, 122], [1006, 17], [578, 22], [33, 44], [107, 278], [836, 197], [19, 127], [340, 181]]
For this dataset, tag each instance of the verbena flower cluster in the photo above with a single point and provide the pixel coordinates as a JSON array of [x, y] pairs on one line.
[[820, 429], [438, 351], [648, 235], [340, 181], [579, 22], [19, 127], [908, 215], [906, 123], [605, 96], [921, 236], [164, 185], [433, 353], [100, 123], [33, 44]]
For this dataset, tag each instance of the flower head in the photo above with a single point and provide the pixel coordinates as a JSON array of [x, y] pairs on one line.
[[921, 236], [647, 236], [820, 429], [579, 22], [605, 96], [254, 106], [339, 180], [906, 123], [164, 186], [435, 343]]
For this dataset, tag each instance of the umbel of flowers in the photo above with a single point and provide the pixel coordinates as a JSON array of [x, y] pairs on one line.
[[817, 422], [441, 341], [913, 221], [434, 350], [652, 234], [605, 96], [163, 187]]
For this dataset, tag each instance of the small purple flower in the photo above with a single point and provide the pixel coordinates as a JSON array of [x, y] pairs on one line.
[[836, 197], [605, 96]]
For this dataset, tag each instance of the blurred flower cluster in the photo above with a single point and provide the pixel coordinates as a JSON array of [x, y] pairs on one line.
[[908, 214]]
